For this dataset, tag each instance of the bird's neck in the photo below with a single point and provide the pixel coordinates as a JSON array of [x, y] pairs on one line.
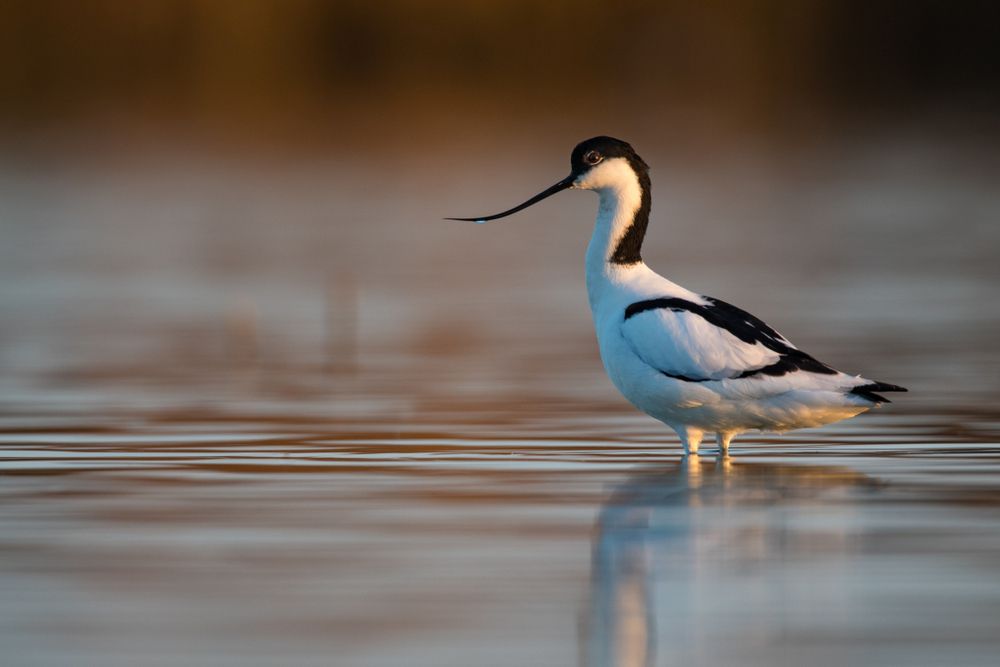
[[614, 250]]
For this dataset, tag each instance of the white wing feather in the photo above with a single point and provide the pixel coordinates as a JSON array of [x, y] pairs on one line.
[[685, 344]]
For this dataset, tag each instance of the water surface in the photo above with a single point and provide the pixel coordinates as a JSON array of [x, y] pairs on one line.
[[245, 422]]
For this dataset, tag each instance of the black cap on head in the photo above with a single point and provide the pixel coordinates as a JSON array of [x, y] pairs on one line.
[[593, 151]]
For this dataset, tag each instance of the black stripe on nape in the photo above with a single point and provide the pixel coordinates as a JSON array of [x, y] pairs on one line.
[[745, 327], [629, 248]]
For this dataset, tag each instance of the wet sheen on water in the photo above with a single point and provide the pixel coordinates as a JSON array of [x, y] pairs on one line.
[[363, 448]]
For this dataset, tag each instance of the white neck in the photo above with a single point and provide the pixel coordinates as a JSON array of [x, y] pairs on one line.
[[619, 203]]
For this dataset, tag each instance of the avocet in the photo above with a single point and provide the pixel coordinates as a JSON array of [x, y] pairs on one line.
[[694, 362]]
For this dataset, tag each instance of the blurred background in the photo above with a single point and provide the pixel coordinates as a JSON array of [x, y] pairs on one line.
[[203, 182], [223, 259], [760, 63]]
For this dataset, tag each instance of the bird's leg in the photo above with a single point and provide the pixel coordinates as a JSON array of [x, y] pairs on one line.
[[690, 438], [722, 439]]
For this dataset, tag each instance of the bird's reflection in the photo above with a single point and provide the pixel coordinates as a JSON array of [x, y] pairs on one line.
[[668, 539]]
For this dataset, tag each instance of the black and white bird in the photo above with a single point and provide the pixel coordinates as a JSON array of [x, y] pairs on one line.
[[696, 363]]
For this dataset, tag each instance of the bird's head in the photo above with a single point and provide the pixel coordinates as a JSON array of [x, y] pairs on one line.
[[605, 162]]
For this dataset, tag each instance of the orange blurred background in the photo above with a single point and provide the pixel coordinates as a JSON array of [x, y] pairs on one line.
[[401, 65]]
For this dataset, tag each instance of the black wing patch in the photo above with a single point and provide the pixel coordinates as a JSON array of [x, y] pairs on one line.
[[744, 326]]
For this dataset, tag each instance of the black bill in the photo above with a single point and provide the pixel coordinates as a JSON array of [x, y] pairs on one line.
[[564, 184]]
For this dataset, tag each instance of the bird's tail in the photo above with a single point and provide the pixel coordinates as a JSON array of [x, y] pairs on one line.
[[867, 391]]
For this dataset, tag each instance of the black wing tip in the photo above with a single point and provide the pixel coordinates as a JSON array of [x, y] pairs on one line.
[[867, 391]]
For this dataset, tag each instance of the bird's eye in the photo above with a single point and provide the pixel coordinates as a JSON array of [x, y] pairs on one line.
[[592, 157]]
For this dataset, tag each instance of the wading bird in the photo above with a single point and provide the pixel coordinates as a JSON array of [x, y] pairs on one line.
[[697, 364]]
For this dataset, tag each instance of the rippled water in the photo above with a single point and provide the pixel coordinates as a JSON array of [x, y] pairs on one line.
[[216, 449], [227, 538]]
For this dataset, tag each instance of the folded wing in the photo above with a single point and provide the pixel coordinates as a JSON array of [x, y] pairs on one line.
[[711, 340]]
